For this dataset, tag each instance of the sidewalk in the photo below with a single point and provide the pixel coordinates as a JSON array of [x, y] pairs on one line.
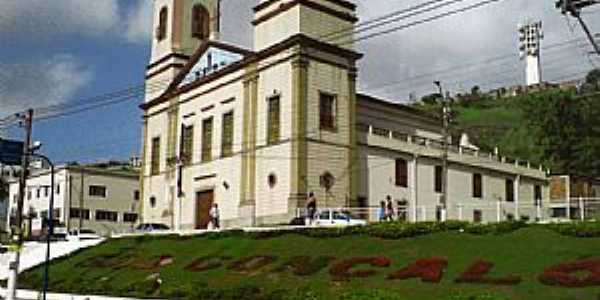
[[34, 295], [34, 253]]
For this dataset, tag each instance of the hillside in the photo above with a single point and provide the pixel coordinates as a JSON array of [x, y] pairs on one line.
[[559, 129], [310, 265]]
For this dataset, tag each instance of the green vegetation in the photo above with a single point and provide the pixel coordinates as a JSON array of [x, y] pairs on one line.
[[298, 265], [559, 129]]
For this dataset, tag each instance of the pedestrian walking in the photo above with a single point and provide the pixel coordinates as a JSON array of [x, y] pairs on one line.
[[389, 209], [382, 211], [215, 216], [311, 207]]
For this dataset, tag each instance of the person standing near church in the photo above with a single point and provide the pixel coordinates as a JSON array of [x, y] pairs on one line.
[[215, 216], [311, 207]]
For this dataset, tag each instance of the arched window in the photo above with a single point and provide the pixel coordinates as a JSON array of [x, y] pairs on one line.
[[200, 22], [161, 30]]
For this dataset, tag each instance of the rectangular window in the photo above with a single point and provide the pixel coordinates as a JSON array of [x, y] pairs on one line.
[[273, 120], [227, 135], [136, 195], [130, 217], [103, 215], [537, 194], [510, 190], [477, 216], [29, 195], [46, 189], [76, 213], [187, 144], [207, 133], [401, 172], [477, 186], [438, 179], [155, 156], [327, 110], [56, 213], [57, 188], [38, 193], [97, 191]]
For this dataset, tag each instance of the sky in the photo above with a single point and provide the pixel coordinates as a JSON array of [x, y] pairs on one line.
[[72, 51]]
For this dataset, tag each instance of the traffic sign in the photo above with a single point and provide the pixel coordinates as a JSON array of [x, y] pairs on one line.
[[11, 152]]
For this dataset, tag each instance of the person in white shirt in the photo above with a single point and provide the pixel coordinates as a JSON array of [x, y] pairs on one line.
[[214, 216]]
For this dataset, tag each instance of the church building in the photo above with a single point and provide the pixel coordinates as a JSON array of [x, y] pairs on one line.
[[256, 130]]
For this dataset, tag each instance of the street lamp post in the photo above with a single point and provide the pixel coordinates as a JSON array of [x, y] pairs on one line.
[[50, 222]]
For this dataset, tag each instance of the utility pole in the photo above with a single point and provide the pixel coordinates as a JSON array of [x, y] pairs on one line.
[[445, 146], [574, 7], [18, 234]]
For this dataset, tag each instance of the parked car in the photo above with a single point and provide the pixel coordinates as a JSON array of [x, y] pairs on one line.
[[330, 218], [150, 227], [83, 234], [333, 218]]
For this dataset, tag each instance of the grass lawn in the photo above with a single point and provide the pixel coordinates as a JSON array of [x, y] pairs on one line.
[[122, 267]]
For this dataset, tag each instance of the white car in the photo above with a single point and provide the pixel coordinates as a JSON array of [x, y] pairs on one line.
[[84, 234], [334, 218]]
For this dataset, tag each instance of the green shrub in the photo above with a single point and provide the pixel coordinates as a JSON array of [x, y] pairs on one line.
[[577, 229]]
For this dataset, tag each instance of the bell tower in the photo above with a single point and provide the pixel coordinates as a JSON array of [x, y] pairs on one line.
[[179, 27]]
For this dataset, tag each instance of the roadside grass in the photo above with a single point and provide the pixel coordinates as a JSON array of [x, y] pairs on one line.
[[129, 267]]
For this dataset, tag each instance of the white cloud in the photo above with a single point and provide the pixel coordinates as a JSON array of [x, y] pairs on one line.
[[43, 19], [138, 23], [41, 83]]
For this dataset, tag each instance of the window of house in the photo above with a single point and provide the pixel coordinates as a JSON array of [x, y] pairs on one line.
[[136, 195], [44, 214], [200, 22], [97, 191], [46, 189], [477, 186], [130, 217], [401, 172], [57, 188], [537, 193], [273, 120], [227, 135], [155, 156], [29, 195], [207, 133], [56, 213], [38, 193], [76, 213], [438, 179], [327, 111], [161, 31], [104, 215], [477, 216], [510, 190], [187, 144]]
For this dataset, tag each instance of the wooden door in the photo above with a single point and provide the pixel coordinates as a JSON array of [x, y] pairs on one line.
[[204, 202]]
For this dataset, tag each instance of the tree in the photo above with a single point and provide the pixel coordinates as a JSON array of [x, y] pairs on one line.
[[593, 77], [592, 80]]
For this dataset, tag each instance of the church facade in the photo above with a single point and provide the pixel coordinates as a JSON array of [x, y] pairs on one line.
[[256, 130]]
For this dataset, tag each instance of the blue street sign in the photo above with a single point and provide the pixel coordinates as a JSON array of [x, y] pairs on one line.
[[11, 152]]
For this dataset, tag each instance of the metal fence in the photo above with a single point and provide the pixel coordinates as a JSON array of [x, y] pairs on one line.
[[574, 209]]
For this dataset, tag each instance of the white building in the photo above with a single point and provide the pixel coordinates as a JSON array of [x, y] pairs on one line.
[[104, 200], [257, 130]]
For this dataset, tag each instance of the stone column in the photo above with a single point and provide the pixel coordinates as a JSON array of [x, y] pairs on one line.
[[414, 187], [247, 207], [299, 164], [516, 188], [144, 164]]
